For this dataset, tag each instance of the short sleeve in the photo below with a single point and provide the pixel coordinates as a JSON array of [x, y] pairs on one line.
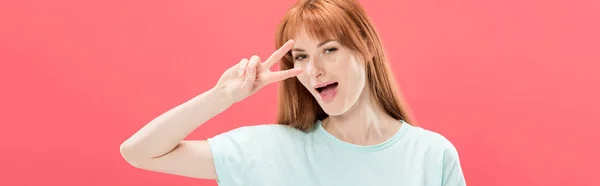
[[452, 174], [230, 151]]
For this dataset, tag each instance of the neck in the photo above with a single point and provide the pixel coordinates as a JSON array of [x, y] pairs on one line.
[[365, 123]]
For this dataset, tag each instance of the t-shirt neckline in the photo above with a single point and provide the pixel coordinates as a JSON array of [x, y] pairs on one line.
[[369, 148]]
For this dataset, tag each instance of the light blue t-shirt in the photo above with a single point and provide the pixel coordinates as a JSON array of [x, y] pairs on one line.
[[279, 155]]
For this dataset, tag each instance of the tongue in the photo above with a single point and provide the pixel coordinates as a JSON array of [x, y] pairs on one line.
[[328, 92]]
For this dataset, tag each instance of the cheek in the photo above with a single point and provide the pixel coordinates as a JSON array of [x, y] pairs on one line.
[[341, 64], [304, 80], [357, 68], [355, 74], [349, 68]]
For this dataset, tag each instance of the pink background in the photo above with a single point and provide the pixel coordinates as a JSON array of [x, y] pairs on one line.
[[513, 84]]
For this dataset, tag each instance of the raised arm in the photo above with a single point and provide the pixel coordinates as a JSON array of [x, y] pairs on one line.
[[159, 145]]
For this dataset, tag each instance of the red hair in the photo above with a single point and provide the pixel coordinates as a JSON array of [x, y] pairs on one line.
[[346, 21]]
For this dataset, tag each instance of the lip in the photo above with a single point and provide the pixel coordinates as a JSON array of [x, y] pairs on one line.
[[323, 84]]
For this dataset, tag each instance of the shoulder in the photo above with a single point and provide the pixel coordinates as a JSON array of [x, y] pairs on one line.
[[263, 130], [257, 135], [430, 140], [444, 157], [435, 147], [239, 151]]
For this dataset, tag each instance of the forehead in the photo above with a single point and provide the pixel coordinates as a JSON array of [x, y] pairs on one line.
[[304, 38]]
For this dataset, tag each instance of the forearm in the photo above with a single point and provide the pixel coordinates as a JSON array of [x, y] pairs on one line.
[[165, 132]]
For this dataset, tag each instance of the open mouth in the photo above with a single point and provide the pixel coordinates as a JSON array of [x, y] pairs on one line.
[[327, 92], [328, 87]]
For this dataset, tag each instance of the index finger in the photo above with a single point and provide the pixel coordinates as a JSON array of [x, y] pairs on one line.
[[272, 77], [279, 53]]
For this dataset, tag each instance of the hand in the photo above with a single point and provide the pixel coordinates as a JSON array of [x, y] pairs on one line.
[[249, 76]]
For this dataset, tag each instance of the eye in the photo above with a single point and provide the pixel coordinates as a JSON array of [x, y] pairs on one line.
[[299, 57], [330, 50]]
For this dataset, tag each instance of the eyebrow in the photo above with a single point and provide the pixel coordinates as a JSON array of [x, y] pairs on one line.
[[318, 45]]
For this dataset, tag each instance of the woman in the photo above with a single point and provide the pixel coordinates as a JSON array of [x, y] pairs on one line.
[[341, 119]]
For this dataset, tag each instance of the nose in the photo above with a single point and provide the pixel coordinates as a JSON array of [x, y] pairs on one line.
[[315, 68]]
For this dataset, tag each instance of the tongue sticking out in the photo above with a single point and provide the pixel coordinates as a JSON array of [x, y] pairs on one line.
[[327, 93]]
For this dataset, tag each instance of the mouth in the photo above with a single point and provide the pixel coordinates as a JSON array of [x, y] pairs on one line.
[[321, 88], [327, 91]]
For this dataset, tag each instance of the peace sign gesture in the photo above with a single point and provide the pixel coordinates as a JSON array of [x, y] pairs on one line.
[[249, 76]]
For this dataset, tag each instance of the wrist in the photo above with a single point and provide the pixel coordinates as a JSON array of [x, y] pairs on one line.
[[220, 97]]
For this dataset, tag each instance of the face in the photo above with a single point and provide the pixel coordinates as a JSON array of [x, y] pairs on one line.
[[333, 74]]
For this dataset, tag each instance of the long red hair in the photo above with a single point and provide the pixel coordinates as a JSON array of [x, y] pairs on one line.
[[346, 21]]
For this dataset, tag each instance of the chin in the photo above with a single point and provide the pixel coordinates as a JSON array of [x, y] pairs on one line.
[[333, 112], [334, 108]]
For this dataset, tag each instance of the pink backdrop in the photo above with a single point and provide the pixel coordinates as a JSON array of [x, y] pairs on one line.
[[512, 84]]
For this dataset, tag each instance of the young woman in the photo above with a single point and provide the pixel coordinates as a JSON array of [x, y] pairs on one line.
[[341, 118]]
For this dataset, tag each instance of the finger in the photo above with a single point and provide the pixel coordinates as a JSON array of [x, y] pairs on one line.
[[279, 53], [281, 75], [251, 73], [242, 67]]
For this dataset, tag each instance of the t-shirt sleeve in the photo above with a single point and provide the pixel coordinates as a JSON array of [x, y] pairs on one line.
[[452, 174], [231, 151]]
